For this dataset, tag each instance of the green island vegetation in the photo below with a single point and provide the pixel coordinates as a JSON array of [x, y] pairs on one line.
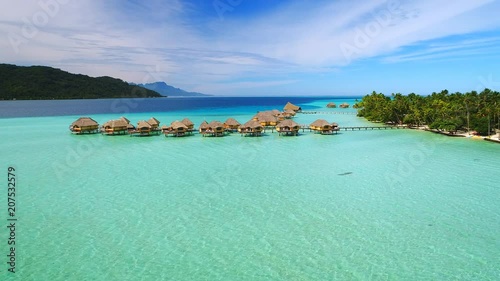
[[42, 82], [442, 111]]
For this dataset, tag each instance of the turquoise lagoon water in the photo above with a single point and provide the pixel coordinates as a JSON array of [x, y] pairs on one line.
[[369, 205]]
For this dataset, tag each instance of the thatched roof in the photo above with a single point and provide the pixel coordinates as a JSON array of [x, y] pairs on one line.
[[153, 121], [331, 105], [125, 119], [288, 123], [320, 123], [344, 105], [204, 125], [251, 124], [232, 122], [165, 127], [143, 124], [187, 122], [291, 106], [130, 126], [116, 123], [177, 125], [275, 112], [334, 124], [267, 118], [84, 122], [215, 124]]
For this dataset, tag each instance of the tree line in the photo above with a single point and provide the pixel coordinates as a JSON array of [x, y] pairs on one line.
[[41, 82], [442, 111]]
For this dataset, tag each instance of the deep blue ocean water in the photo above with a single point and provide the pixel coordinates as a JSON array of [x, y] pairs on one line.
[[22, 108]]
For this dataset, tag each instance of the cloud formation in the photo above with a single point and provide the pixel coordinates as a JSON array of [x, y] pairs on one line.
[[192, 46]]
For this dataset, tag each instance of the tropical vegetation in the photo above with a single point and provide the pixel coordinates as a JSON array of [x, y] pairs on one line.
[[41, 82], [444, 111]]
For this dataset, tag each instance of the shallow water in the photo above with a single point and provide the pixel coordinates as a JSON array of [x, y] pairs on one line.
[[362, 205]]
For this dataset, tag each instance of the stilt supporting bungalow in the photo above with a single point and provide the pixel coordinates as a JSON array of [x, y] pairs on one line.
[[115, 127], [231, 125], [212, 129], [176, 129], [251, 128], [288, 128], [84, 125], [322, 126]]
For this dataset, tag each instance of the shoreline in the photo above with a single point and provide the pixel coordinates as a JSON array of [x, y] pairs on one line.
[[491, 138]]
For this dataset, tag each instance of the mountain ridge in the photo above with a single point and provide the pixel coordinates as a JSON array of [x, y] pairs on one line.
[[167, 90], [47, 83]]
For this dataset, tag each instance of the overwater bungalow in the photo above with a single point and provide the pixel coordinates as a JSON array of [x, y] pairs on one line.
[[275, 112], [115, 127], [84, 125], [203, 127], [288, 127], [231, 125], [189, 124], [265, 118], [143, 129], [215, 129], [291, 112], [321, 126], [331, 105], [251, 128], [344, 105], [292, 106], [125, 119], [177, 129], [281, 116], [155, 125]]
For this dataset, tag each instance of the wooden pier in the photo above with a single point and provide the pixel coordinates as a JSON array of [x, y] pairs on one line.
[[304, 127], [359, 128]]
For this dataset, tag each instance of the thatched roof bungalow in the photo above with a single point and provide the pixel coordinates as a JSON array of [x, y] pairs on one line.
[[215, 129], [155, 124], [331, 105], [143, 129], [292, 106], [344, 105], [84, 125], [188, 123], [275, 112], [231, 124], [115, 127], [203, 127], [288, 127], [321, 126], [177, 128], [289, 111], [251, 128], [265, 118]]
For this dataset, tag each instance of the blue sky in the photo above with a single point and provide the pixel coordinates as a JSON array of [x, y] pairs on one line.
[[264, 47]]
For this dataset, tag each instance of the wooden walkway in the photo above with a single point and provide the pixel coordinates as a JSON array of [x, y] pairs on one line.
[[359, 128], [304, 127]]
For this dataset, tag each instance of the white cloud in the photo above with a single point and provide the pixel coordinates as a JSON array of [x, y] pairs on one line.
[[124, 39]]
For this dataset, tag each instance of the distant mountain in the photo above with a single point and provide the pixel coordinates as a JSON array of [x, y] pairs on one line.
[[42, 82], [167, 90]]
